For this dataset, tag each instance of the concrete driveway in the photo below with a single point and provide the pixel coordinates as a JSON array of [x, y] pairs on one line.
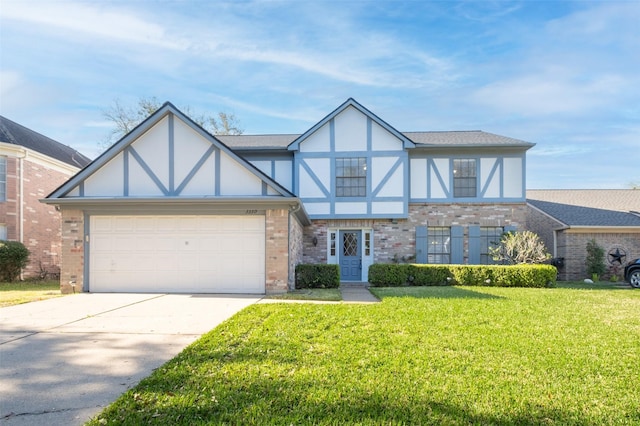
[[63, 360]]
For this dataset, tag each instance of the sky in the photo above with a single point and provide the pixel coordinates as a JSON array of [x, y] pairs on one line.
[[563, 75]]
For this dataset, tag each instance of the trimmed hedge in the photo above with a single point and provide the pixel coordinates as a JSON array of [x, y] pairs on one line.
[[317, 276], [14, 256], [524, 275]]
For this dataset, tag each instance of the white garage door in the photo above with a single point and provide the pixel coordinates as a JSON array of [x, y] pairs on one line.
[[178, 254]]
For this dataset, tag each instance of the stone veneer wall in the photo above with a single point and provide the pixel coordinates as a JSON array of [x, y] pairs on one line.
[[277, 251], [72, 253], [573, 247], [396, 238], [295, 248]]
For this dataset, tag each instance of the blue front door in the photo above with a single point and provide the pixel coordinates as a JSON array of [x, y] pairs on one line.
[[350, 256]]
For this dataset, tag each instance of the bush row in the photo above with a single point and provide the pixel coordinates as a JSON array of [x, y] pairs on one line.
[[525, 275], [317, 276]]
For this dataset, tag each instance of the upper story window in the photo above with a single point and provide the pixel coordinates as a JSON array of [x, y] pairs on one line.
[[351, 177], [3, 178], [464, 178]]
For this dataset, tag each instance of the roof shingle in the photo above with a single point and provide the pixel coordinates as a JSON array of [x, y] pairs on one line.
[[16, 134], [589, 207]]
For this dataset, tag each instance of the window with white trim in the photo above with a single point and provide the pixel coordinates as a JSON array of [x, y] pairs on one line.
[[464, 178], [3, 232], [351, 177]]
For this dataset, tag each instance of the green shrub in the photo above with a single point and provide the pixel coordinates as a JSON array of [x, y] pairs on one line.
[[420, 275], [595, 259], [525, 275], [317, 276], [388, 275], [14, 256]]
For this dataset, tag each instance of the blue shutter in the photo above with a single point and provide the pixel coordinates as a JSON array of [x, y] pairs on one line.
[[421, 244], [457, 244], [474, 245]]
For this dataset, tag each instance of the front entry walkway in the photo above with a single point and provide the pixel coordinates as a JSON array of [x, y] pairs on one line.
[[357, 292]]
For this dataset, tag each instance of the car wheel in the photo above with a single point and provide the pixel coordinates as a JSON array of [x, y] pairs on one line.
[[634, 278]]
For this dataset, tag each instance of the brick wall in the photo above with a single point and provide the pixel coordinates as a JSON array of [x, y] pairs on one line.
[[573, 247], [295, 249], [277, 251], [396, 238], [41, 222], [544, 226], [72, 252]]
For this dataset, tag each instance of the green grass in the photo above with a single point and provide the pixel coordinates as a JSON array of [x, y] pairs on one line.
[[429, 355], [323, 294], [28, 291]]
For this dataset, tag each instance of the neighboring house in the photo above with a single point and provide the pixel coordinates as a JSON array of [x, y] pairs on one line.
[[567, 219], [31, 166], [172, 208]]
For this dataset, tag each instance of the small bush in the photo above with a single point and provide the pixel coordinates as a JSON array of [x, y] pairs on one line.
[[317, 276], [14, 256], [388, 275], [525, 275]]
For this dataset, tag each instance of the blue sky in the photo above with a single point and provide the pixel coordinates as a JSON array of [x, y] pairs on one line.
[[564, 75]]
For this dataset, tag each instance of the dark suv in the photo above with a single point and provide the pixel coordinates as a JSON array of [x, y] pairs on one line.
[[632, 273]]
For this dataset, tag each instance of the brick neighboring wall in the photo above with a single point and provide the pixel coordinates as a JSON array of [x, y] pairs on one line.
[[396, 238], [544, 226], [41, 222], [277, 251], [72, 256], [573, 247]]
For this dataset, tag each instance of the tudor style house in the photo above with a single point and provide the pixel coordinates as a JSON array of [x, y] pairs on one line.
[[171, 208], [31, 166]]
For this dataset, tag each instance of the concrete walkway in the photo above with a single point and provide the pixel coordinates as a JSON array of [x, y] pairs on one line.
[[357, 293], [63, 360]]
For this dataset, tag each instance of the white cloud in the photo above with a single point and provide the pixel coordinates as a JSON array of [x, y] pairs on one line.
[[91, 20]]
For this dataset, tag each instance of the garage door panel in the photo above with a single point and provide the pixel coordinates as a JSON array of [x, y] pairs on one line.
[[215, 254]]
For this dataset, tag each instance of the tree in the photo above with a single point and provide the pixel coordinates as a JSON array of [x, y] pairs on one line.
[[520, 247], [126, 118]]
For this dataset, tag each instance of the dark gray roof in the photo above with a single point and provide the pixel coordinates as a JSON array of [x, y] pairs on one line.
[[16, 134], [472, 138], [589, 207]]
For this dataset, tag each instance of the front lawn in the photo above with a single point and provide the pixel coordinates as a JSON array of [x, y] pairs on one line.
[[28, 291], [431, 355]]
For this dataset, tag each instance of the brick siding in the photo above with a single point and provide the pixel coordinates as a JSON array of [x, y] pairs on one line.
[[72, 258], [41, 222], [277, 251], [395, 239]]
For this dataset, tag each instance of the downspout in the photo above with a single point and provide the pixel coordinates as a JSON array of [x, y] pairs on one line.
[[21, 205]]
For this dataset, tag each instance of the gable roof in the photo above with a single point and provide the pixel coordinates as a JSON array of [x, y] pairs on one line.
[[351, 103], [166, 109], [589, 207], [16, 134]]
